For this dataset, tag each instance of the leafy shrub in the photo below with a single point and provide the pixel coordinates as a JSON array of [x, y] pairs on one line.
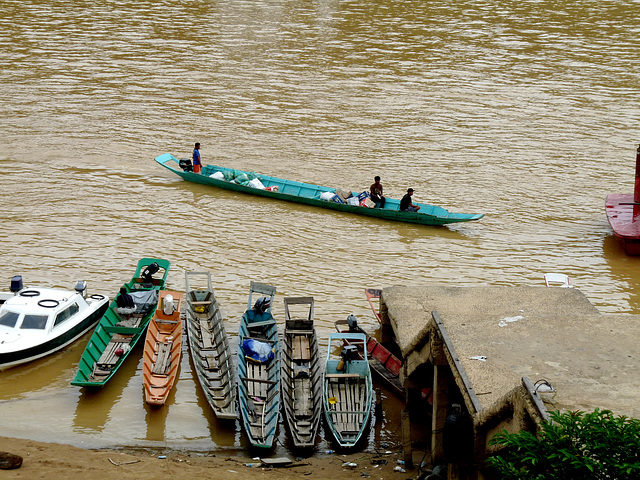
[[572, 446]]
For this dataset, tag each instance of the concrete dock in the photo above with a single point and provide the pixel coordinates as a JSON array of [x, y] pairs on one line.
[[493, 340]]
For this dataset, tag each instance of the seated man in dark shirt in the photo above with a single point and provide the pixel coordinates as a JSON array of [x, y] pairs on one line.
[[124, 302], [405, 203]]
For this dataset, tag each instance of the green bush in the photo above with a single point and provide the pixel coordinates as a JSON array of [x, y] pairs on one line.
[[572, 446]]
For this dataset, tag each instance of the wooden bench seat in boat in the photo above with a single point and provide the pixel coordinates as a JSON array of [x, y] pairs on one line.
[[202, 302]]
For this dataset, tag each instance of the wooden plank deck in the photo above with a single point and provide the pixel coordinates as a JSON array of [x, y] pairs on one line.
[[348, 412], [163, 358], [300, 348]]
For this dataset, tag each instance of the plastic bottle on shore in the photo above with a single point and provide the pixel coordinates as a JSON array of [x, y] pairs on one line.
[[251, 465], [399, 469]]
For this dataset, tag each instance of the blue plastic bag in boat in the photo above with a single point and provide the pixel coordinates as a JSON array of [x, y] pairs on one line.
[[258, 351]]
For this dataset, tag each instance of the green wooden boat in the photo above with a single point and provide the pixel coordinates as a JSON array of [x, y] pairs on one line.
[[120, 329], [310, 194]]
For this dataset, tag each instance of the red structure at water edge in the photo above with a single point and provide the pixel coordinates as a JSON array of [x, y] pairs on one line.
[[623, 213]]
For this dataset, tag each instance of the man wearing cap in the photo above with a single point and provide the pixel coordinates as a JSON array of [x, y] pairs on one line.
[[405, 203]]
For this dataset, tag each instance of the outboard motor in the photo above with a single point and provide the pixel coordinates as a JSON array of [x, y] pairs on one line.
[[352, 321], [262, 305], [16, 284], [147, 273], [81, 288], [348, 353], [186, 165]]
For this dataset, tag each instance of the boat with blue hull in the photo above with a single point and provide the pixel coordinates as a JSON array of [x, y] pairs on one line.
[[259, 368], [309, 194]]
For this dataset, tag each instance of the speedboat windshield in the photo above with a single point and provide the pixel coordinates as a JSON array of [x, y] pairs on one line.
[[9, 318], [34, 322]]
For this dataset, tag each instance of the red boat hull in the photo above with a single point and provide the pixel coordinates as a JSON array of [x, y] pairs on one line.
[[623, 215]]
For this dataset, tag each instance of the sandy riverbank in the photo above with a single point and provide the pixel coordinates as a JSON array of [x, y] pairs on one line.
[[53, 460]]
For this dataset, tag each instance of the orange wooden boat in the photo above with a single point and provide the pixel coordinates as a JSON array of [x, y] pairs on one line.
[[162, 348]]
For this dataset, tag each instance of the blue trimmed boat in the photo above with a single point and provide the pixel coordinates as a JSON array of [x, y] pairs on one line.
[[309, 194], [348, 389], [259, 368], [118, 331]]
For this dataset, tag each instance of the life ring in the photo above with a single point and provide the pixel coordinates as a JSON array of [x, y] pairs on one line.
[[49, 303], [30, 293], [96, 296]]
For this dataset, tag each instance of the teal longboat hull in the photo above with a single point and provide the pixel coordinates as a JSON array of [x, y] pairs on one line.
[[259, 383], [309, 194], [108, 328]]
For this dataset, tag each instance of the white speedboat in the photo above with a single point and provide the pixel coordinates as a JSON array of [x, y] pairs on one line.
[[35, 321]]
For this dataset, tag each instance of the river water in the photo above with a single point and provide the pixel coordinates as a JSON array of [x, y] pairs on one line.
[[525, 111]]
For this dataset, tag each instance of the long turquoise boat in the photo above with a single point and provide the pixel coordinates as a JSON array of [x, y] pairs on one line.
[[259, 369], [118, 331], [309, 194]]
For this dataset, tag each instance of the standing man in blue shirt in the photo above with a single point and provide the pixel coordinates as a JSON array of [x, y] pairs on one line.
[[197, 164]]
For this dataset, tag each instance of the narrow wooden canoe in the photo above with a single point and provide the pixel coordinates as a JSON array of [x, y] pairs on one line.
[[259, 381], [309, 194], [162, 349], [209, 347], [117, 334], [348, 391], [301, 374]]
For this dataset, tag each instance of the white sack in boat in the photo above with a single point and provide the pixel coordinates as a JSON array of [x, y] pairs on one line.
[[217, 176], [326, 196], [168, 307], [255, 183]]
